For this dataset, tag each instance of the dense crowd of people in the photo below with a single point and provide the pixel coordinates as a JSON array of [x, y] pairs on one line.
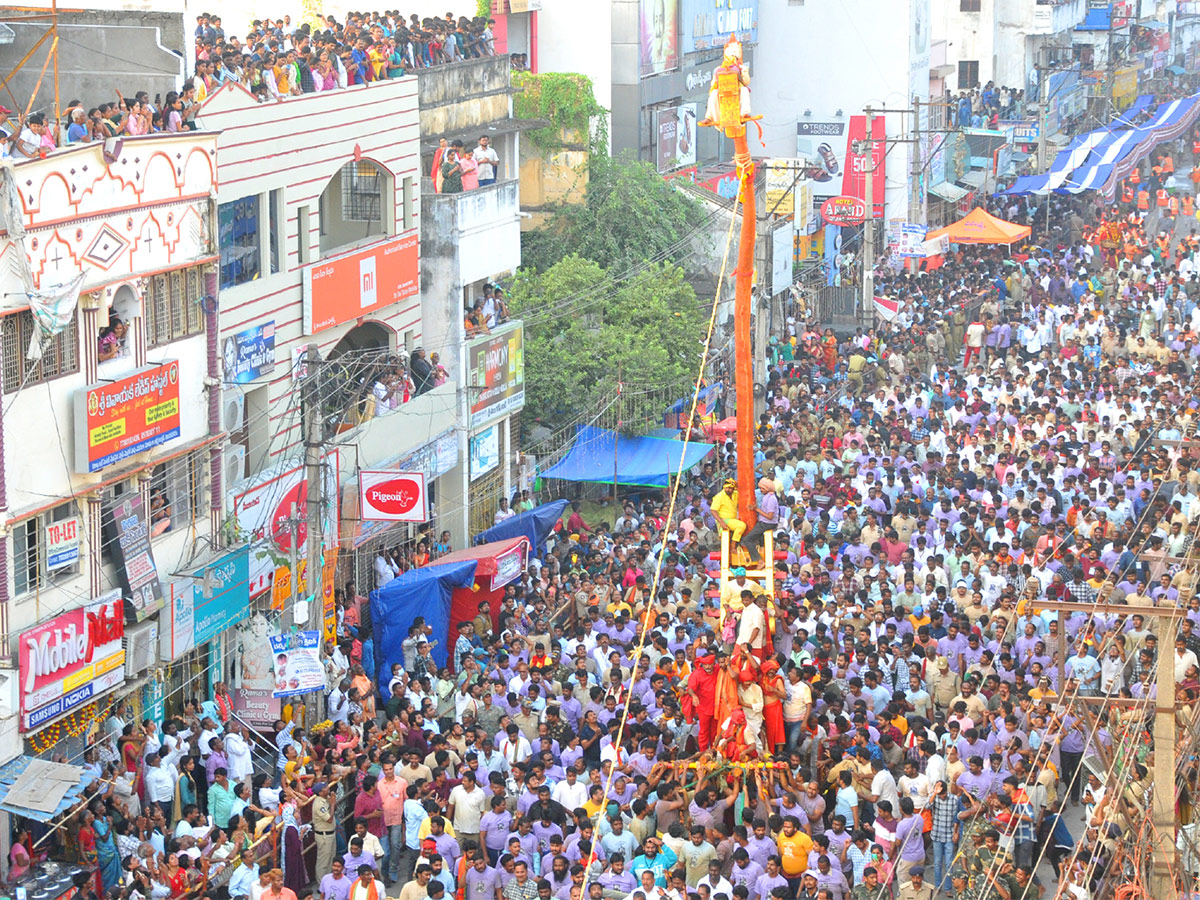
[[897, 716], [276, 59]]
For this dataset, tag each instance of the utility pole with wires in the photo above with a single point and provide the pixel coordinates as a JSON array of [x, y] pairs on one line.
[[310, 399]]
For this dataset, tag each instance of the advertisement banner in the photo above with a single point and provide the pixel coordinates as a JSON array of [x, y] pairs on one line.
[[906, 240], [709, 23], [254, 679], [249, 354], [263, 510], [179, 636], [117, 419], [784, 177], [496, 371], [66, 662], [509, 565], [328, 604], [657, 27], [484, 451], [823, 144], [296, 663], [393, 496], [127, 534], [62, 543], [676, 145], [222, 595], [861, 165], [343, 288], [1024, 131]]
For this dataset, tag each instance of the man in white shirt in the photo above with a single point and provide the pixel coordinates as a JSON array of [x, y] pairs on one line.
[[385, 569], [160, 781], [237, 750], [572, 794], [488, 161], [467, 803]]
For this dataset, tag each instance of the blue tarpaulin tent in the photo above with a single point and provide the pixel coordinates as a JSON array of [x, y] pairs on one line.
[[640, 461], [535, 525], [418, 592]]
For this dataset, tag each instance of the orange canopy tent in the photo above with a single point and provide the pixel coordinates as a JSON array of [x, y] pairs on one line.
[[981, 227]]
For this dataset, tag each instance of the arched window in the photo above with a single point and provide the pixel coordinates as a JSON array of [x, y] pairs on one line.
[[356, 205]]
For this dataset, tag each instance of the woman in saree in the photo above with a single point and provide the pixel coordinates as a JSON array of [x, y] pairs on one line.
[[87, 848], [108, 858], [295, 875], [829, 349]]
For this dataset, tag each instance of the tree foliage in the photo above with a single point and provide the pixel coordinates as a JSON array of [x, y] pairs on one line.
[[630, 214], [566, 99], [579, 327]]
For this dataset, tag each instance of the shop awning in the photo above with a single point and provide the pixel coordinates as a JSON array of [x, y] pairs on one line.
[[599, 454], [974, 179], [951, 193], [41, 790]]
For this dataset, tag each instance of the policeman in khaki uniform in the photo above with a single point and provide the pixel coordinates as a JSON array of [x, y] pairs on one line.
[[917, 888]]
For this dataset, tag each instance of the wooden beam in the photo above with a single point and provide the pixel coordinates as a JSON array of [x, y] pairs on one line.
[[1127, 609]]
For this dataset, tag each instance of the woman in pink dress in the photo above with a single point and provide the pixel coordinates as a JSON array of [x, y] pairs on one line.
[[470, 171]]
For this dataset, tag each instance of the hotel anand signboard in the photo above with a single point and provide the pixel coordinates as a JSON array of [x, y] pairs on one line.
[[70, 660], [117, 419]]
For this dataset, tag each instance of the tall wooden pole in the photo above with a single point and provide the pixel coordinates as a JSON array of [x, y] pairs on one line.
[[742, 347]]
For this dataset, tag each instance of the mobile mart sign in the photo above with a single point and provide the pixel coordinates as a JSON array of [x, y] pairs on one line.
[[496, 373], [67, 661]]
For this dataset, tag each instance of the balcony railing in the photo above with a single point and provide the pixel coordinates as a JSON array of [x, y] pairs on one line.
[[480, 228]]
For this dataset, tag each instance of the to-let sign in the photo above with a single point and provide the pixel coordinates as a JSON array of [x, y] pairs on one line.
[[114, 420], [844, 210], [393, 496], [62, 543]]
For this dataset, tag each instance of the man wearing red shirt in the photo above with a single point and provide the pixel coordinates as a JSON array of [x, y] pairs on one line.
[[702, 688]]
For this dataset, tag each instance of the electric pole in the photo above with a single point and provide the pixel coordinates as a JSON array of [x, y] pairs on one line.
[[1044, 76], [315, 487], [868, 277]]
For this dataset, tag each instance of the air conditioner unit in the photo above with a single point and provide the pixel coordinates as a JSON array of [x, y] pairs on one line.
[[233, 410], [235, 463], [141, 648]]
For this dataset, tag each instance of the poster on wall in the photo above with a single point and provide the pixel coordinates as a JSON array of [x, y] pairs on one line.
[[249, 354], [658, 24], [823, 144], [296, 663], [676, 137], [484, 451], [127, 534], [254, 697]]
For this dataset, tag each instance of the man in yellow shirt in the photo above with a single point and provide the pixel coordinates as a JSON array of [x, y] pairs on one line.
[[725, 510], [794, 847]]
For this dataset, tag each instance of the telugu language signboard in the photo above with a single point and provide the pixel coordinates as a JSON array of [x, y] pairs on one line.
[[117, 419]]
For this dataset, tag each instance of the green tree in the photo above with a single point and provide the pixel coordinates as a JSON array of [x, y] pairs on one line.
[[579, 325], [630, 214]]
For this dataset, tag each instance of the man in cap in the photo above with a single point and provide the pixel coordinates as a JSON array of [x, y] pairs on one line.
[[915, 888]]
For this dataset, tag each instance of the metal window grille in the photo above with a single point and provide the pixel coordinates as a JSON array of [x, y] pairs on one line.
[[172, 306], [361, 192], [60, 355]]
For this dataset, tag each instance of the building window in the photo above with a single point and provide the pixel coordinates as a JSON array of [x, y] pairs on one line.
[[173, 306], [178, 491], [241, 253], [60, 355], [361, 197], [31, 570], [969, 5], [968, 74]]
